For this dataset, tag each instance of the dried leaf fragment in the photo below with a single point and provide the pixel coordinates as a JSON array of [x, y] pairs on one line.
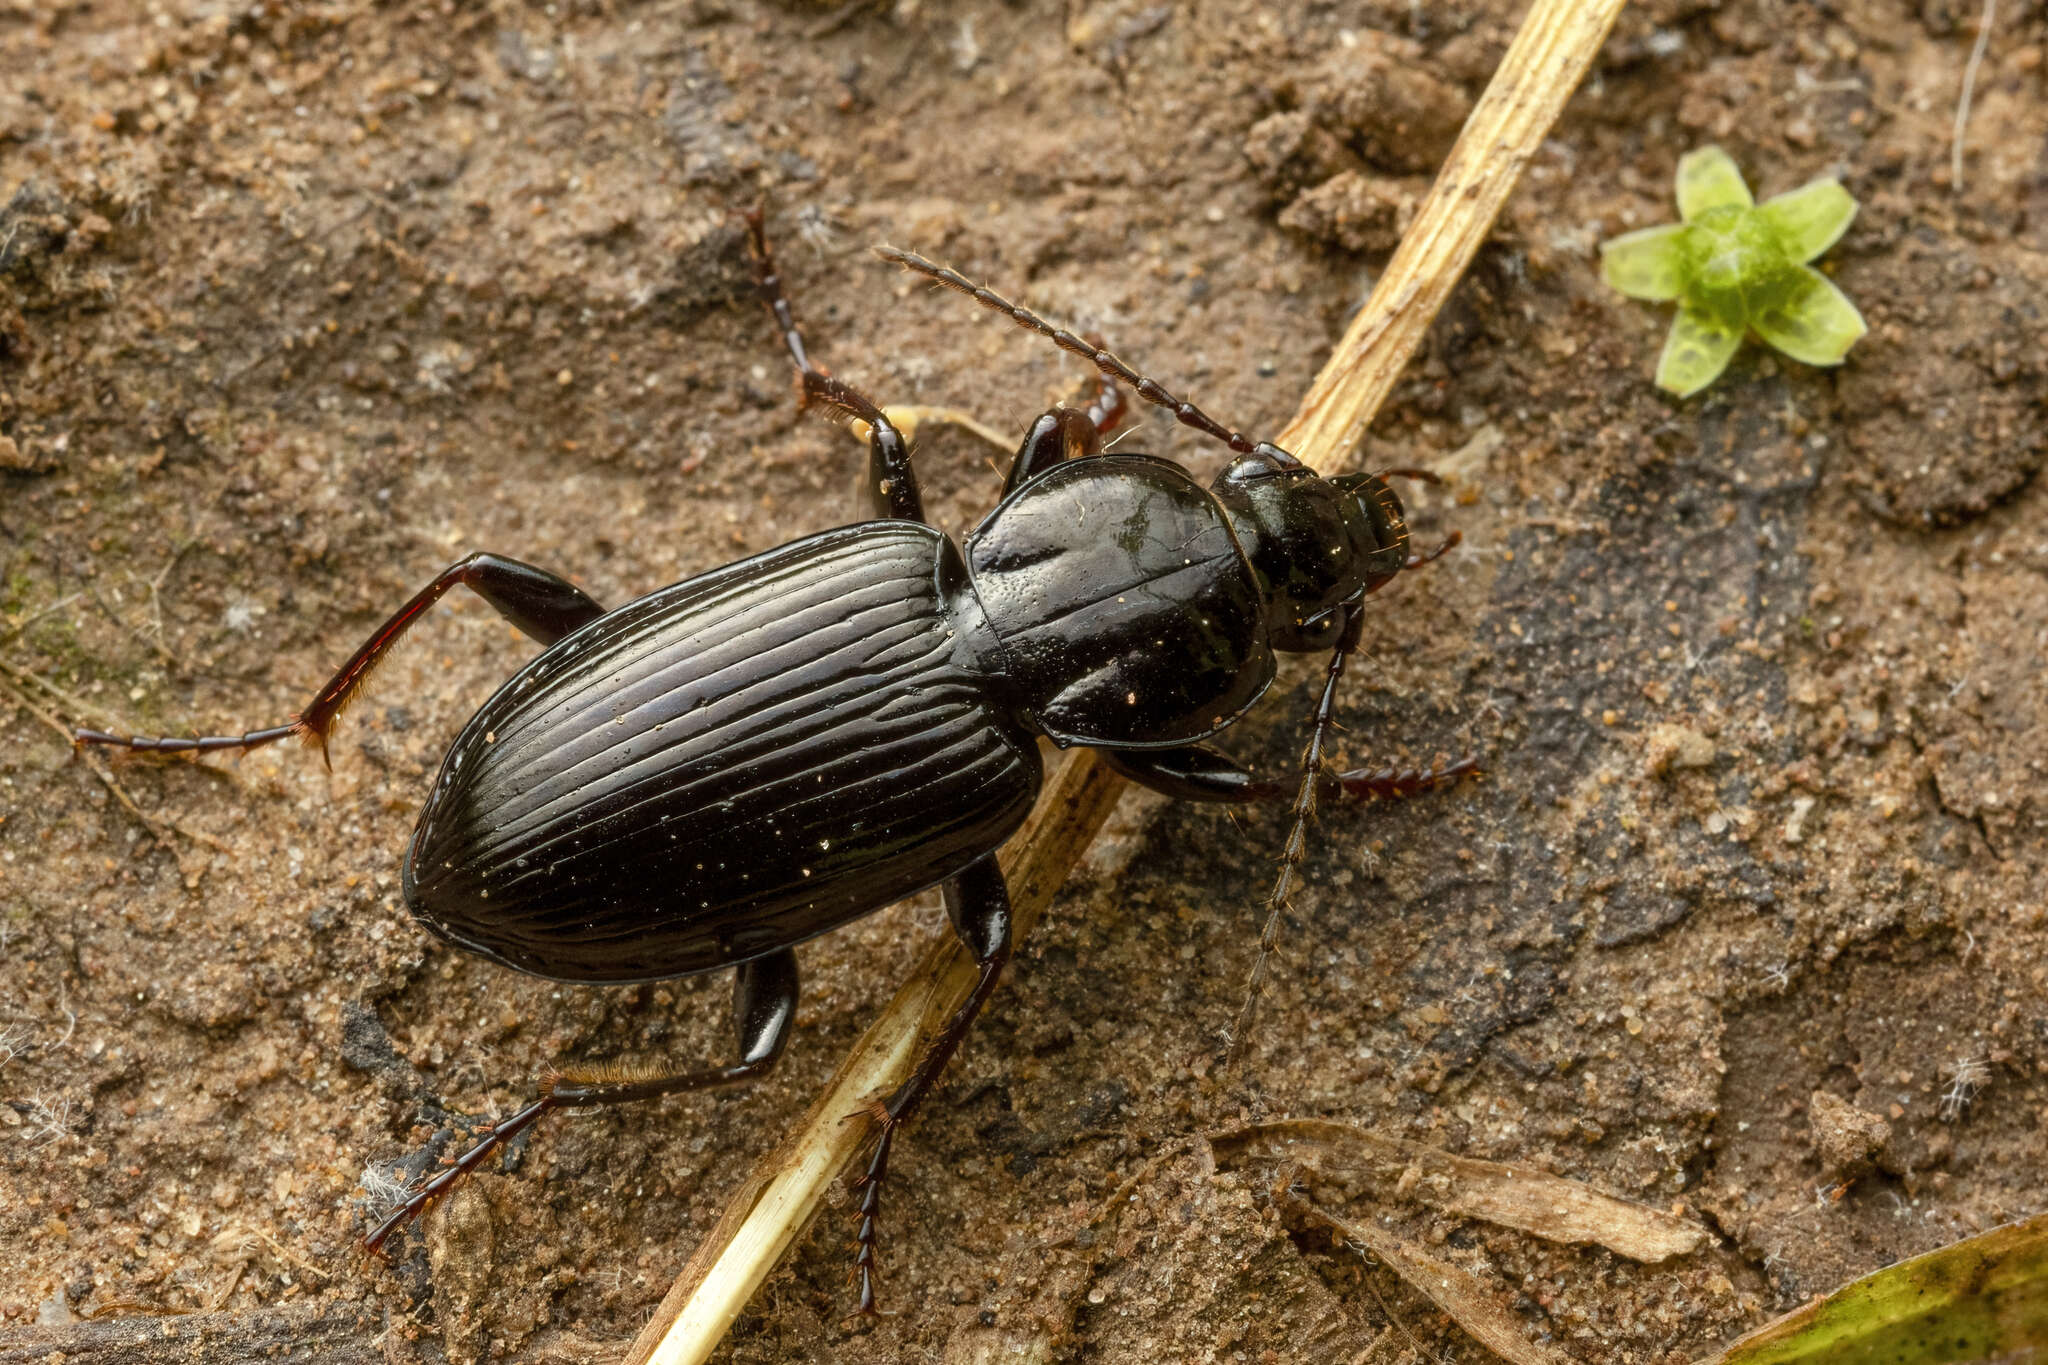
[[1534, 1201], [1459, 1294]]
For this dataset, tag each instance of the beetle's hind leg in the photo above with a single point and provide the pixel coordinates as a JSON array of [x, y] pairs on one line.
[[542, 605], [764, 1000], [978, 900], [892, 482]]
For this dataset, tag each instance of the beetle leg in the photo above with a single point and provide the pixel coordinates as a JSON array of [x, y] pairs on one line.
[[764, 1000], [978, 900], [1200, 773], [1194, 773], [1066, 433], [892, 483], [540, 604], [1062, 434]]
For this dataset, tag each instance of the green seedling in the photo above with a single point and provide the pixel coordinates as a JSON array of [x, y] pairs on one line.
[[1736, 266]]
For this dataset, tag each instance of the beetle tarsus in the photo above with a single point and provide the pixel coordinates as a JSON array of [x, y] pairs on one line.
[[1386, 784], [453, 1171], [764, 1006], [542, 605], [869, 1211], [183, 744]]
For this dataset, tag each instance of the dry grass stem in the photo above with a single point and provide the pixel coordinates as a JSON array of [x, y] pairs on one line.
[[1544, 65], [78, 706], [1955, 151]]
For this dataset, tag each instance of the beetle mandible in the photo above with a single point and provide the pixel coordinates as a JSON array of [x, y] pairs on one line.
[[717, 771]]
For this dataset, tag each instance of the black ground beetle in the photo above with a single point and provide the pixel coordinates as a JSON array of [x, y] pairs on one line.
[[716, 772]]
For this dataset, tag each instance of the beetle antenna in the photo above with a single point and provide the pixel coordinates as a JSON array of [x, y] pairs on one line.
[[1148, 389], [1296, 847]]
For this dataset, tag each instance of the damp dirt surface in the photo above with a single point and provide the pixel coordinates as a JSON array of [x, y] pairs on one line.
[[1748, 918]]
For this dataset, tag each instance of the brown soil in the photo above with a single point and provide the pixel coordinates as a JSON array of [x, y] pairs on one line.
[[297, 303]]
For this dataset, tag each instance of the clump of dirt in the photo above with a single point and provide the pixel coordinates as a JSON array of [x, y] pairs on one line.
[[297, 305], [1348, 159], [1949, 402]]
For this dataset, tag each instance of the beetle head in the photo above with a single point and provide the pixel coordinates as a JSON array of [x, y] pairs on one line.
[[1315, 543]]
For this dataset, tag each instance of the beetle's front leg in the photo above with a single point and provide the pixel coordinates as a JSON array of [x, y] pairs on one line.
[[1194, 773], [978, 900], [764, 998], [1388, 784], [542, 605]]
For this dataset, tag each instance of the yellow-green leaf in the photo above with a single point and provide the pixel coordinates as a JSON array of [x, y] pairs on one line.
[[1985, 1298], [1814, 322], [1695, 353], [1811, 218], [1708, 179], [1647, 264], [1734, 267]]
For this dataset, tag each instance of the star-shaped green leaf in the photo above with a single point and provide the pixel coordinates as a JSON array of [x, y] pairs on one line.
[[1735, 266], [1708, 180]]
